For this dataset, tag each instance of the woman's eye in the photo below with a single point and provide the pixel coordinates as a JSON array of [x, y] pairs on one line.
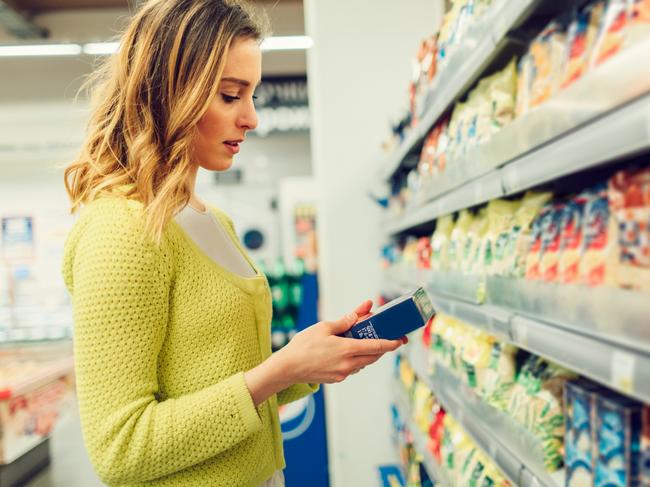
[[229, 98]]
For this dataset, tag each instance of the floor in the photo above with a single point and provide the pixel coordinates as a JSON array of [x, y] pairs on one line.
[[70, 466]]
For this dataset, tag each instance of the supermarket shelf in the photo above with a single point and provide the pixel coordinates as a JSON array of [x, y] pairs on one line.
[[599, 332], [433, 468], [514, 450], [601, 117], [480, 46], [616, 315]]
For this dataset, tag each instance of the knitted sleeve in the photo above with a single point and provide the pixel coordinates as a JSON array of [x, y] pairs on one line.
[[296, 392], [120, 286]]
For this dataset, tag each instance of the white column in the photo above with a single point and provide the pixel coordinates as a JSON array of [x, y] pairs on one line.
[[358, 72]]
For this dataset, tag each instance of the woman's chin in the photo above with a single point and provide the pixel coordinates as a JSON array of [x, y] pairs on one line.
[[221, 164]]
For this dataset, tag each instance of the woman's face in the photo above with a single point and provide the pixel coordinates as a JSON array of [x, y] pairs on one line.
[[231, 114]]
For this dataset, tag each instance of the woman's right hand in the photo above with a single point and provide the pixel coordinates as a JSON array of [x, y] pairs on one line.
[[318, 355]]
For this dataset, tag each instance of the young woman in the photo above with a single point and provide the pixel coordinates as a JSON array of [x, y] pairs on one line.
[[175, 377]]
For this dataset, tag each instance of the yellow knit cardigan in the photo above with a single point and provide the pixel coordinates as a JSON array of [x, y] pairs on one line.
[[162, 337]]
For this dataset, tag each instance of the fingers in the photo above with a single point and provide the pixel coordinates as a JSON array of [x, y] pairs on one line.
[[364, 308], [375, 346], [343, 324]]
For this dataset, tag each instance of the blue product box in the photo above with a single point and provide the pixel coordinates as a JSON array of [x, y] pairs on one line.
[[579, 397], [618, 438], [396, 318]]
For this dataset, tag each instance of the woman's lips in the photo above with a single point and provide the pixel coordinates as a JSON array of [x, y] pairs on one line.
[[233, 146]]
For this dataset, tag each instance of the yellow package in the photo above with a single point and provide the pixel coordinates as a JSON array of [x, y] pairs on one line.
[[502, 88], [476, 357], [519, 238], [440, 243], [500, 215], [547, 52], [406, 375], [458, 238], [499, 374], [472, 262], [478, 114], [422, 406]]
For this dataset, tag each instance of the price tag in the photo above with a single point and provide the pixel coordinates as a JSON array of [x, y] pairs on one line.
[[623, 365]]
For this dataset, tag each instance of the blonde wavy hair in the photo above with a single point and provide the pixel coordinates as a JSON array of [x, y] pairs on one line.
[[147, 99]]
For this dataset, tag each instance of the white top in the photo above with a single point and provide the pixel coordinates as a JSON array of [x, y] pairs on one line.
[[210, 236]]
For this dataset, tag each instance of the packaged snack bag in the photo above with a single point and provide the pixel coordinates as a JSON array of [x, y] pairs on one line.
[[500, 215], [551, 235], [440, 243], [571, 239], [422, 406], [457, 239], [436, 431], [499, 374], [520, 238], [611, 35], [535, 252], [442, 146], [536, 403], [502, 90], [472, 262], [476, 357], [547, 52], [582, 35], [424, 253], [629, 196], [617, 436], [479, 114], [598, 263]]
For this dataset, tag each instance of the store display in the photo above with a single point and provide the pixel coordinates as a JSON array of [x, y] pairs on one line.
[[396, 318], [36, 390]]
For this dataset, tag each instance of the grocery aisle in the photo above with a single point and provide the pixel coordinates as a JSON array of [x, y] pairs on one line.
[[520, 200]]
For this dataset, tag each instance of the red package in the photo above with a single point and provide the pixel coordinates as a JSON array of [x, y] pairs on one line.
[[629, 193]]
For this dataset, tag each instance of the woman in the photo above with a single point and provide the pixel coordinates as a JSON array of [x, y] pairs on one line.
[[175, 377]]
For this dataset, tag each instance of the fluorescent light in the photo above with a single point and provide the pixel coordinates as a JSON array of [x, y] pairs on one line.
[[101, 48], [287, 43], [40, 50]]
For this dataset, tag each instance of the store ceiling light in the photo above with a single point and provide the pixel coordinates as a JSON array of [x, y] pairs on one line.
[[280, 43], [20, 50], [287, 43], [101, 48]]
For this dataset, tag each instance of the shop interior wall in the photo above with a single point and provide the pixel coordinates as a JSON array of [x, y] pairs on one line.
[[359, 70]]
